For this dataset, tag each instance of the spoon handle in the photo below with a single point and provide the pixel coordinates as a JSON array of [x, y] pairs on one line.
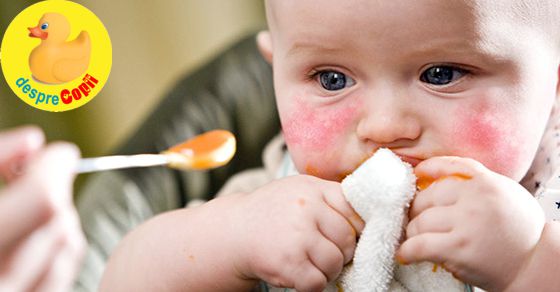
[[120, 161]]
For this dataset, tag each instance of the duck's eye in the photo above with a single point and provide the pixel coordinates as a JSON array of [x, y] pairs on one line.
[[442, 75], [333, 80], [44, 26]]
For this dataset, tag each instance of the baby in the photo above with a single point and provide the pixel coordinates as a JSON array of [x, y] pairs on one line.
[[461, 89]]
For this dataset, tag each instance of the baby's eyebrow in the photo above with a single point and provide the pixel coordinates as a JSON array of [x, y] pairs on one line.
[[458, 47], [468, 50], [307, 47]]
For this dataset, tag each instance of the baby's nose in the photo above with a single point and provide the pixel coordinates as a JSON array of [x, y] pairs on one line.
[[387, 122]]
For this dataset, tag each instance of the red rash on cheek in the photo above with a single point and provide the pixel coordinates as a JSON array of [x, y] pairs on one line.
[[480, 132], [317, 128], [486, 136]]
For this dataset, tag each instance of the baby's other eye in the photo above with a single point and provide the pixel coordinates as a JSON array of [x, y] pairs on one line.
[[442, 74], [334, 80]]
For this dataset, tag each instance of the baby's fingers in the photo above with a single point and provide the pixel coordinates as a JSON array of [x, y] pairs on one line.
[[431, 247], [338, 230], [445, 192], [334, 197], [437, 219], [308, 278], [328, 258]]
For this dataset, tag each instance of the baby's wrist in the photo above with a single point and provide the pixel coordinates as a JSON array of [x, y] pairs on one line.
[[540, 270], [236, 245]]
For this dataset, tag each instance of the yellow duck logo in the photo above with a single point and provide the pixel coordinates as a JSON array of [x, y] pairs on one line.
[[55, 60]]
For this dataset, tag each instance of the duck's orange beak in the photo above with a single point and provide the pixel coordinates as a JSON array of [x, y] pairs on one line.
[[36, 32]]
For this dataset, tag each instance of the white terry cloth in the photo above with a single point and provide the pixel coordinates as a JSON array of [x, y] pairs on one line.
[[380, 191]]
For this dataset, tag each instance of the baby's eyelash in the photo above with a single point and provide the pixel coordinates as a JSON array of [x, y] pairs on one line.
[[312, 75]]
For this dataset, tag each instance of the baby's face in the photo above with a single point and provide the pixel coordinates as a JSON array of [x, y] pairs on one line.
[[424, 78]]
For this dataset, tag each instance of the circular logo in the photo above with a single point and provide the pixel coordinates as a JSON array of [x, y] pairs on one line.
[[56, 55]]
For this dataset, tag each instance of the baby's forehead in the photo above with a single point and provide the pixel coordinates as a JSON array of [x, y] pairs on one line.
[[544, 13], [493, 20]]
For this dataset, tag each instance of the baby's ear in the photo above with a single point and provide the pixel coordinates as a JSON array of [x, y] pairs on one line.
[[264, 43]]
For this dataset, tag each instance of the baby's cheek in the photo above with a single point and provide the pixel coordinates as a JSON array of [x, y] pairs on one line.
[[317, 128], [485, 133], [317, 136]]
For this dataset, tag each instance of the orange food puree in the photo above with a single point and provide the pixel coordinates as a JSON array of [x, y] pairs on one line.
[[424, 182], [208, 150]]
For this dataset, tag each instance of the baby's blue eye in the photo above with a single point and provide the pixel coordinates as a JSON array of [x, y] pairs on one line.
[[44, 26], [442, 75], [333, 80]]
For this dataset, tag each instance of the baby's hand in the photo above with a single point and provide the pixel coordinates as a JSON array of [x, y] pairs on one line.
[[296, 232], [481, 226]]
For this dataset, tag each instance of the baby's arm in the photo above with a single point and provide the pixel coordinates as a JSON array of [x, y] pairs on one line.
[[481, 226], [186, 249], [294, 232], [542, 271]]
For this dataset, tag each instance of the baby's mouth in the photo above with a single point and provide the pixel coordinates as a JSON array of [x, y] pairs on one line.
[[411, 160]]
